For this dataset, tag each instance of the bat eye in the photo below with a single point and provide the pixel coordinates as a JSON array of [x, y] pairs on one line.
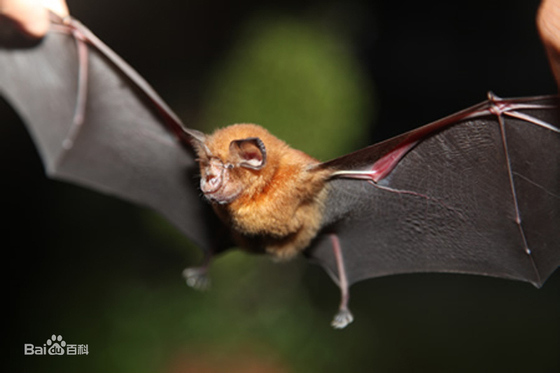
[[250, 152]]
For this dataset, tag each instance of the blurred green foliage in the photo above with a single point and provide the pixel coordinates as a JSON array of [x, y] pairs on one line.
[[299, 80]]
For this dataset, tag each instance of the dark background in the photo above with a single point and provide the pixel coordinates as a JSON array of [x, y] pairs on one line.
[[104, 273]]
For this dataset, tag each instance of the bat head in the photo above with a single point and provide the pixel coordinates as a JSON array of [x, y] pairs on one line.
[[233, 161]]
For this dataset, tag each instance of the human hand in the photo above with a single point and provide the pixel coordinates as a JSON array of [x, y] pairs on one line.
[[30, 16], [548, 24]]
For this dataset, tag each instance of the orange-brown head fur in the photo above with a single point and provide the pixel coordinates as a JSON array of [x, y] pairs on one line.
[[270, 194]]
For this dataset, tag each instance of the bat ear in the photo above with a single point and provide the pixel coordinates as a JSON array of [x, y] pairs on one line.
[[250, 152]]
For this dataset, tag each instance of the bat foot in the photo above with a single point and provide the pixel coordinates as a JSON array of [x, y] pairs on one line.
[[342, 319], [197, 278]]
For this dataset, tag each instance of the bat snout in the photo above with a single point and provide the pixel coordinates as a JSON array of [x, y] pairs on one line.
[[212, 176], [210, 183], [215, 189]]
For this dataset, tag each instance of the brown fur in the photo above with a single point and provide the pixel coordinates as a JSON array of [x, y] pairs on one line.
[[277, 208]]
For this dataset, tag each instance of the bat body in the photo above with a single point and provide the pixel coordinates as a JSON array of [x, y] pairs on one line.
[[268, 193], [476, 192]]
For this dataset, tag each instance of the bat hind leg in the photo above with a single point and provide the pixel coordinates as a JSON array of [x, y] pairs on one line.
[[343, 317], [197, 277]]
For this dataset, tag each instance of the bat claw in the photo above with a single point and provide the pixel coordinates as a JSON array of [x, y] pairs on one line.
[[197, 278], [342, 319]]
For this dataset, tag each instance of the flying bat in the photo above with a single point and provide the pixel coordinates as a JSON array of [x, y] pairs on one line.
[[475, 192]]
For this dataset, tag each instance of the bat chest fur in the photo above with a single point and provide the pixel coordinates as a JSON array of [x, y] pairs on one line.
[[255, 220], [281, 229]]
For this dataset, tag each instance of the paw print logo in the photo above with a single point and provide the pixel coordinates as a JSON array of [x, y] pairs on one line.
[[56, 345]]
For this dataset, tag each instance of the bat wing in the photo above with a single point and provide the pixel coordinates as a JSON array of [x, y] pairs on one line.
[[477, 192], [97, 123]]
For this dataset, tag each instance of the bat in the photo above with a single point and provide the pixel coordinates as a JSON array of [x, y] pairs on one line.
[[475, 192]]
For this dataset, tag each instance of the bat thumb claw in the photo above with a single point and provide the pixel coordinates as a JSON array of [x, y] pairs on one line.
[[342, 319]]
